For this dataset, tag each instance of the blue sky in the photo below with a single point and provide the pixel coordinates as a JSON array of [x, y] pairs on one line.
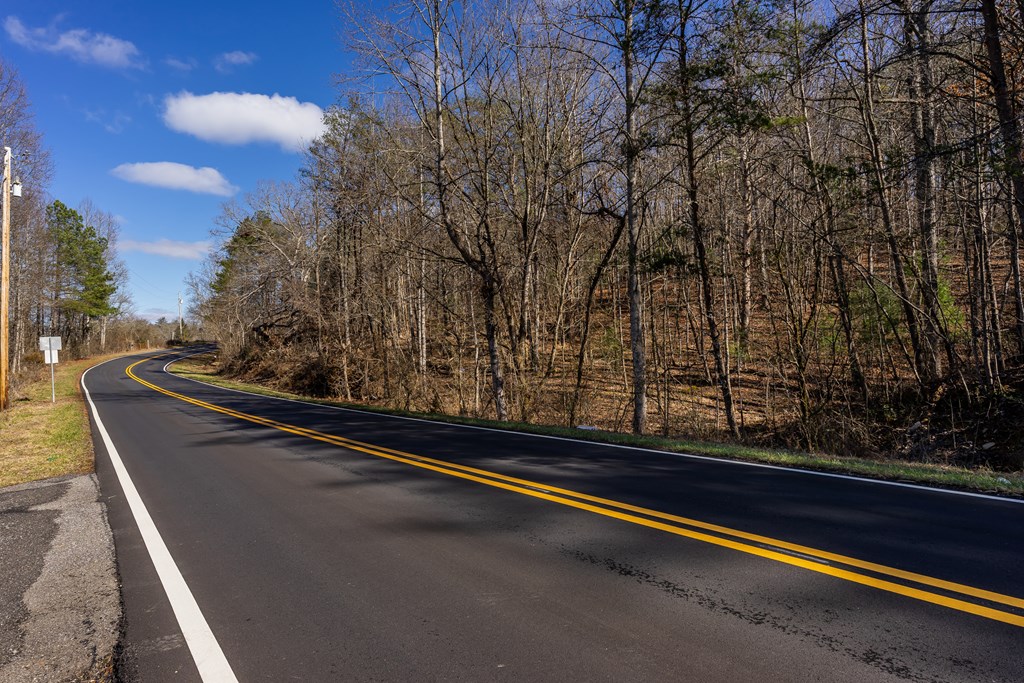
[[160, 112]]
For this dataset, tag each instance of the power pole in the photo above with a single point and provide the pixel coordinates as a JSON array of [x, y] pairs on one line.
[[5, 279], [181, 334]]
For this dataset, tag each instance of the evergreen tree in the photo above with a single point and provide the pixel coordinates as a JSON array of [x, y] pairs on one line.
[[83, 282]]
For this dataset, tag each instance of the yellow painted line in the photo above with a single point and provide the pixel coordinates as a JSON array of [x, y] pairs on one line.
[[583, 501], [1008, 600], [814, 552]]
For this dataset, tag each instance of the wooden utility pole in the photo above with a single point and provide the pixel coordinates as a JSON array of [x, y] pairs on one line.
[[5, 279]]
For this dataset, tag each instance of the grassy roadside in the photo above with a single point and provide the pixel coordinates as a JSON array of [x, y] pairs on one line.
[[41, 439], [987, 481]]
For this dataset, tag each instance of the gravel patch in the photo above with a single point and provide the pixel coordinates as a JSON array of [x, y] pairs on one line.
[[67, 625]]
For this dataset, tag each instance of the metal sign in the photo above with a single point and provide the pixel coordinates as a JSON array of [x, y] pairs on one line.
[[50, 344]]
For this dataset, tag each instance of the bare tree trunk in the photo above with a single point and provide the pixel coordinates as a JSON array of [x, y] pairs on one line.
[[881, 189], [746, 242], [700, 248], [836, 256], [918, 39], [637, 342], [491, 331], [421, 319], [1009, 131], [587, 311]]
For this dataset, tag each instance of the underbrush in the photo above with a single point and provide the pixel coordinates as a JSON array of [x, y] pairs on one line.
[[928, 452]]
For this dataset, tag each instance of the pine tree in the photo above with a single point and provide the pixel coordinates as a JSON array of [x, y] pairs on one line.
[[83, 282]]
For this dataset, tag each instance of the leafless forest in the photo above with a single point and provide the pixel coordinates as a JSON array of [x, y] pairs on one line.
[[792, 223]]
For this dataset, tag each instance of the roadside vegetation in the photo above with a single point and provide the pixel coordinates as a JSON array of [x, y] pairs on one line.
[[204, 368], [66, 278], [657, 218], [43, 439]]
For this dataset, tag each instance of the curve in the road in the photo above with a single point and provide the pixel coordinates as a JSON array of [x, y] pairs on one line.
[[802, 556]]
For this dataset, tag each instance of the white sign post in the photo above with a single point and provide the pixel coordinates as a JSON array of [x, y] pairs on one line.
[[50, 346]]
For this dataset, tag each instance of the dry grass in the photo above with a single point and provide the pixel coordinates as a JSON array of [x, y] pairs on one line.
[[41, 439]]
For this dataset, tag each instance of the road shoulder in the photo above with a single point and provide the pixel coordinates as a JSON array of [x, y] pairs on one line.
[[69, 615]]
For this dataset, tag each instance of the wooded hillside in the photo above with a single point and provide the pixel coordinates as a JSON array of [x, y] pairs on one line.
[[789, 223]]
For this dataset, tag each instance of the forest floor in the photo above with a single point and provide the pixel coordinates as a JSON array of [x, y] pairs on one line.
[[43, 438], [206, 369]]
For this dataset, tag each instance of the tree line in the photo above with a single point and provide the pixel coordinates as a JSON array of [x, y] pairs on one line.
[[778, 221], [66, 279]]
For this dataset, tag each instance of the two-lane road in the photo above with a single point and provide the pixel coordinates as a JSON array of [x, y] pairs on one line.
[[277, 540]]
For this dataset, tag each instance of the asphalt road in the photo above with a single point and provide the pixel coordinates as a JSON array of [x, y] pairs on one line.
[[323, 544]]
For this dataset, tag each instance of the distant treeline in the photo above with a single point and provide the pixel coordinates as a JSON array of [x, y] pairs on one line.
[[66, 279]]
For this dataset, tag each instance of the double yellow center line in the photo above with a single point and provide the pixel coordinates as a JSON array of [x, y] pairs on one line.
[[812, 559]]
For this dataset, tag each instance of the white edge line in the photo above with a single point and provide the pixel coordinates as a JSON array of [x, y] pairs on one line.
[[691, 456], [213, 666]]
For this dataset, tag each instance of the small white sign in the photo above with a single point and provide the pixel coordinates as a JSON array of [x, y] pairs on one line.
[[49, 344]]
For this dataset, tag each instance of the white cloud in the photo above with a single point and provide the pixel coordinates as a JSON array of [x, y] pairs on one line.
[[80, 44], [239, 118], [192, 251], [175, 176], [184, 65], [225, 62]]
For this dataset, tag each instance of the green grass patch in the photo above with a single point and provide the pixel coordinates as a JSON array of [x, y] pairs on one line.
[[980, 480]]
